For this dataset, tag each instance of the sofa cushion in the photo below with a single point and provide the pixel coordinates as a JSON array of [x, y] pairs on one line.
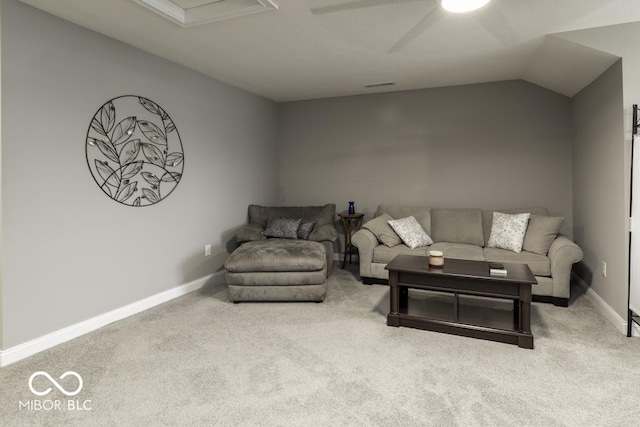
[[508, 230], [459, 251], [421, 214], [541, 233], [539, 264], [384, 254], [487, 218], [282, 228], [277, 255], [321, 215], [457, 226], [380, 228], [411, 232]]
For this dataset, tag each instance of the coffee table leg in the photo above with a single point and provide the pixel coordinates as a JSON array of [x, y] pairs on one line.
[[403, 296], [525, 338], [394, 299]]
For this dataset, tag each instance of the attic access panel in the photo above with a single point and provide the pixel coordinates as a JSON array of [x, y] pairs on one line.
[[189, 13]]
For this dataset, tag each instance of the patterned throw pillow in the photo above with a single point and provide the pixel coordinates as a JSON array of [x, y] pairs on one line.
[[379, 226], [282, 228], [411, 232], [508, 231], [305, 230]]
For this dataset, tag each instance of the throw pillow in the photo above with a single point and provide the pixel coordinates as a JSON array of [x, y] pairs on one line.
[[411, 232], [321, 233], [283, 228], [320, 214], [380, 227], [541, 233], [507, 231], [305, 230], [250, 233]]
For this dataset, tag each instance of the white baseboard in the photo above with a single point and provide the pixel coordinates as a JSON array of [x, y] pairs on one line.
[[45, 342], [605, 309]]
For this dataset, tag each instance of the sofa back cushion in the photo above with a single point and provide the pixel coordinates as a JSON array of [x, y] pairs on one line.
[[320, 215], [421, 214], [457, 226], [380, 228], [541, 233], [487, 218]]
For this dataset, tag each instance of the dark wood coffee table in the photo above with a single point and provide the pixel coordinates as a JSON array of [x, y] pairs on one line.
[[440, 309]]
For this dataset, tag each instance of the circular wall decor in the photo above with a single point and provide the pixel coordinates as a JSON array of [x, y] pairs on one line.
[[134, 151]]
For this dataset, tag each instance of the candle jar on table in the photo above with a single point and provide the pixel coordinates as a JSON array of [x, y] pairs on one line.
[[436, 258]]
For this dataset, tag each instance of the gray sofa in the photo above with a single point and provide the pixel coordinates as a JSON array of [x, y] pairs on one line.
[[464, 234], [282, 269]]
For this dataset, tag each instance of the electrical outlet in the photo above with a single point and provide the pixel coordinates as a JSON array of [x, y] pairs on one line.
[[604, 269], [207, 250]]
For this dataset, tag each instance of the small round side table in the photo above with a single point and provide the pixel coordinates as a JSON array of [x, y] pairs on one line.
[[350, 223]]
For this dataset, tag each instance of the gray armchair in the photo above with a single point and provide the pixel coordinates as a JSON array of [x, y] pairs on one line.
[[323, 217]]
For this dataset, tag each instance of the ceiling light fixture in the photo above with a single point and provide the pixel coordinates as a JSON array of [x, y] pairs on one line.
[[461, 6]]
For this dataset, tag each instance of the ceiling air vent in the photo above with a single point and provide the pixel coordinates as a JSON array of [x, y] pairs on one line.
[[189, 13], [370, 85]]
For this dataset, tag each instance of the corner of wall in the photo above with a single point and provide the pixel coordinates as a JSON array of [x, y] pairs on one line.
[[1, 305]]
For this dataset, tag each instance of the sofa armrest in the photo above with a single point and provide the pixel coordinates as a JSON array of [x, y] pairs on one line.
[[366, 242], [563, 253], [323, 233], [250, 233]]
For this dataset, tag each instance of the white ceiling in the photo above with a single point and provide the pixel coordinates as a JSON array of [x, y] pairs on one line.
[[293, 53]]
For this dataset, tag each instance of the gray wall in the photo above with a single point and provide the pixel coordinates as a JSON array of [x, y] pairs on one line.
[[1, 274], [600, 199], [494, 145], [618, 40], [70, 252]]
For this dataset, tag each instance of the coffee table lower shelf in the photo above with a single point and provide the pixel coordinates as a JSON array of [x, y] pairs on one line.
[[469, 321]]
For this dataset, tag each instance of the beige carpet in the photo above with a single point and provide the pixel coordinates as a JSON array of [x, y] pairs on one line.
[[200, 360]]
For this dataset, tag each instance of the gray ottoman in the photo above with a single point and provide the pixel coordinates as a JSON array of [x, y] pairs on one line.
[[277, 270]]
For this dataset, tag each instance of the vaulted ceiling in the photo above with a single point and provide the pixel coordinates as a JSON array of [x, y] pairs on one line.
[[306, 49]]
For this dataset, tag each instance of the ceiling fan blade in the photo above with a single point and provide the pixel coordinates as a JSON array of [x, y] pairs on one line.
[[423, 25], [494, 22], [357, 4]]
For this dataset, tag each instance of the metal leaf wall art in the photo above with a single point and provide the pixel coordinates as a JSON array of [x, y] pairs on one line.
[[134, 151]]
